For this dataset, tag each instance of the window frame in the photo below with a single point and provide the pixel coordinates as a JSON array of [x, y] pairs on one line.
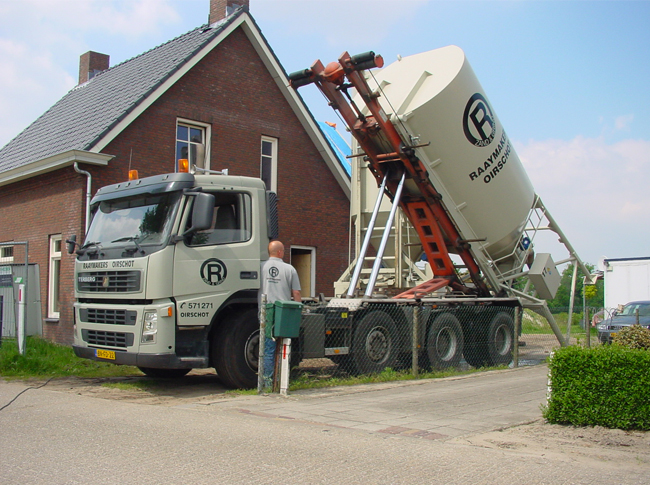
[[207, 137], [274, 161], [243, 214], [4, 250], [54, 276]]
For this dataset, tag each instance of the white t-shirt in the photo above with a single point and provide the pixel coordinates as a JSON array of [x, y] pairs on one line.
[[278, 280]]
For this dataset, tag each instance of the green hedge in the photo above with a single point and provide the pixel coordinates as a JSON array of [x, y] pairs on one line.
[[606, 386]]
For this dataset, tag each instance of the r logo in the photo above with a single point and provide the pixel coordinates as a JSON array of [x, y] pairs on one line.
[[213, 271], [274, 272], [478, 121]]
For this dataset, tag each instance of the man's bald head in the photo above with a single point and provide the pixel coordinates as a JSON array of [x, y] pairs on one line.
[[276, 249]]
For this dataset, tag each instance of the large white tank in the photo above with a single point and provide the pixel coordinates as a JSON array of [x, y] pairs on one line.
[[439, 99]]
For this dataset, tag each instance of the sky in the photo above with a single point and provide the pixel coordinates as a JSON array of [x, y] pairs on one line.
[[567, 79]]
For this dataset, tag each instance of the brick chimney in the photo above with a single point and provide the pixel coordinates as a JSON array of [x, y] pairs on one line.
[[220, 9], [90, 64]]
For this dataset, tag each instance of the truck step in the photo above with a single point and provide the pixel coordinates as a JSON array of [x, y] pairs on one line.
[[194, 361], [337, 350]]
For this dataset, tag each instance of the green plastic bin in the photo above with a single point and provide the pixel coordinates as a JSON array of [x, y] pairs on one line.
[[286, 319]]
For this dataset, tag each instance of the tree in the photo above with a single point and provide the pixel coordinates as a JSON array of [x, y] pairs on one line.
[[594, 294]]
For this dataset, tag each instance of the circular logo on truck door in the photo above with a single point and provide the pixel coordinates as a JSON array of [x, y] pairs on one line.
[[478, 121], [213, 271]]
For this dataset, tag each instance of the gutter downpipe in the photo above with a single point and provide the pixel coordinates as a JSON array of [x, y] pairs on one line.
[[89, 180]]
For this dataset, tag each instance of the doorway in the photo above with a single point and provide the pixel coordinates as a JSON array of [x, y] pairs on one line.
[[303, 258]]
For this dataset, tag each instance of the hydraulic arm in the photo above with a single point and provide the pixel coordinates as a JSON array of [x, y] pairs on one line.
[[390, 157]]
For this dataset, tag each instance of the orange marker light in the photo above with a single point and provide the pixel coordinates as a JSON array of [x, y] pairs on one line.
[[133, 175], [183, 165]]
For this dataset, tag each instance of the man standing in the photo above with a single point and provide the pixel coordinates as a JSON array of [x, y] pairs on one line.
[[279, 282]]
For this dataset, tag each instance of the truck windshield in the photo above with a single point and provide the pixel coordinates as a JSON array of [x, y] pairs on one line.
[[138, 221]]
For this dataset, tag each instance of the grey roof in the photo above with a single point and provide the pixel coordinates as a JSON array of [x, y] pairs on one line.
[[89, 111]]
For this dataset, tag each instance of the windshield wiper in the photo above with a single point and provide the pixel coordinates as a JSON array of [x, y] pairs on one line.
[[84, 249], [134, 240]]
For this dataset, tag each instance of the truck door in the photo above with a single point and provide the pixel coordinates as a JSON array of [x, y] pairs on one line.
[[213, 264]]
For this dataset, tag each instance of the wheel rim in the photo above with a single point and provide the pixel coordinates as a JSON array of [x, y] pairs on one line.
[[252, 351], [446, 344], [378, 345], [502, 340]]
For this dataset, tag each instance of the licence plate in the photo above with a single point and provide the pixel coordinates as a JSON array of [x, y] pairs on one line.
[[105, 354]]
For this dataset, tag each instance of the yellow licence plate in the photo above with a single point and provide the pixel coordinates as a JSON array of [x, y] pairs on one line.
[[105, 354]]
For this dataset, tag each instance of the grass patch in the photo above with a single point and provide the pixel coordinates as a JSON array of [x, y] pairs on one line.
[[241, 392], [321, 380], [532, 323], [47, 359], [135, 385]]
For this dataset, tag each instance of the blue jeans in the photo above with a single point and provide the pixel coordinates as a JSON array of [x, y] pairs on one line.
[[269, 358]]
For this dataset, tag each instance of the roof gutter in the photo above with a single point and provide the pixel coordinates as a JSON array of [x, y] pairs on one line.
[[55, 162]]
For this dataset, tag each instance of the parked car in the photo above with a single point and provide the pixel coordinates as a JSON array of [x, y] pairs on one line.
[[625, 317]]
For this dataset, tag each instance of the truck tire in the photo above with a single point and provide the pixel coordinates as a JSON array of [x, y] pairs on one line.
[[500, 339], [163, 373], [235, 350], [445, 342], [374, 343], [475, 349]]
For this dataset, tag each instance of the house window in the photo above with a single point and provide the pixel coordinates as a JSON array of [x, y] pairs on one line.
[[191, 143], [54, 277], [6, 254], [269, 163]]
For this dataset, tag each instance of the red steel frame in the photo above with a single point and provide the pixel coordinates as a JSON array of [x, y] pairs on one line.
[[387, 153]]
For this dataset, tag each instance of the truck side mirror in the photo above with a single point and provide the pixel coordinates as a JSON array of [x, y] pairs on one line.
[[202, 213], [72, 242]]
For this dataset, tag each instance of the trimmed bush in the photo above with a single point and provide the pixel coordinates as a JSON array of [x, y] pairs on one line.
[[606, 386], [634, 337]]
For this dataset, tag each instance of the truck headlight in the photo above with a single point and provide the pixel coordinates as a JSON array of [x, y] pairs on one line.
[[150, 327]]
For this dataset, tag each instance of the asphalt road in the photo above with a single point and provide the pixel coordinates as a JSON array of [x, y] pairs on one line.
[[53, 437]]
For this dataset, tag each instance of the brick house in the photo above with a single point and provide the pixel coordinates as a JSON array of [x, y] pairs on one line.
[[216, 95]]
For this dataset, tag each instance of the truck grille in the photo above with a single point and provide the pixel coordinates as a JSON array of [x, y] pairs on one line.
[[107, 316], [109, 281], [107, 339]]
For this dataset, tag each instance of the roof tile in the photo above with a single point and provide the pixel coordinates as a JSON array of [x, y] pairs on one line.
[[88, 111]]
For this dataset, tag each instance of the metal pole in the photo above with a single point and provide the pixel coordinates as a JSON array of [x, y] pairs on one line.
[[571, 302], [414, 347], [585, 317], [384, 239], [262, 347], [515, 350], [21, 320], [284, 366], [366, 241]]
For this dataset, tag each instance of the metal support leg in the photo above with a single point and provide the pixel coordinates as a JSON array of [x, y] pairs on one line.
[[384, 239], [366, 242]]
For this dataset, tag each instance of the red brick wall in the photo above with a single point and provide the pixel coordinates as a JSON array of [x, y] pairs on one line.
[[232, 91], [31, 211]]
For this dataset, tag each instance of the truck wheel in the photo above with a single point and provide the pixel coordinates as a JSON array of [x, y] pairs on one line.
[[445, 342], [374, 344], [235, 350], [164, 373], [500, 339], [475, 349]]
